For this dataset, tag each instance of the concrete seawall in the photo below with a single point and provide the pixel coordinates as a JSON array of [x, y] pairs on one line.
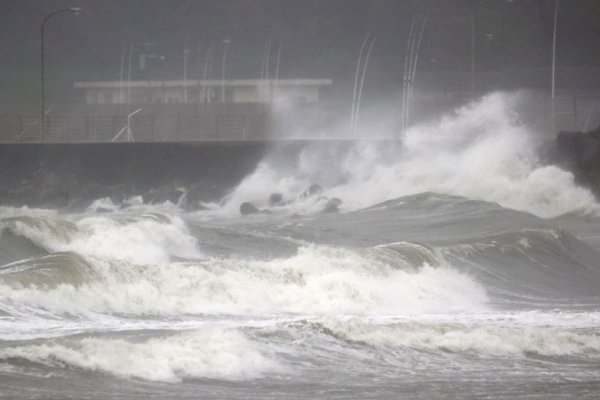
[[56, 175], [74, 174]]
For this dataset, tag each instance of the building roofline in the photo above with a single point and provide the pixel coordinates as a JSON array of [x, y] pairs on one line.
[[196, 83]]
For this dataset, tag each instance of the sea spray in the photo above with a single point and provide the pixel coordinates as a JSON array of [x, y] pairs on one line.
[[211, 352], [484, 338], [140, 239], [481, 151], [318, 280], [441, 295]]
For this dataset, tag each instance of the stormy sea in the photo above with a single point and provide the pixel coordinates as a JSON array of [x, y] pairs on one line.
[[451, 263]]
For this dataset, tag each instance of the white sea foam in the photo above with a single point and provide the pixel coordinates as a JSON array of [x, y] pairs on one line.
[[480, 152], [483, 339], [211, 352], [138, 239], [318, 280], [9, 212], [134, 204]]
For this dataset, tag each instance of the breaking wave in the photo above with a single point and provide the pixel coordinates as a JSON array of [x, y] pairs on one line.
[[480, 152], [483, 339], [139, 239], [212, 352], [318, 280]]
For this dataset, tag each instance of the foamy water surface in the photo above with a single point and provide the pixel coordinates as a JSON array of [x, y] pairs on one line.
[[458, 266]]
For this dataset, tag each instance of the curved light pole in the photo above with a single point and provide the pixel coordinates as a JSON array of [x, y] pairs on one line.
[[43, 105], [225, 45], [553, 88], [186, 54]]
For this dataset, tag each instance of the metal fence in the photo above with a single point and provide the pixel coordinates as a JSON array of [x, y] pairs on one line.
[[152, 123], [104, 123]]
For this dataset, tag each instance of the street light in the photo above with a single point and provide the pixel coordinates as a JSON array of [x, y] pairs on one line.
[[553, 88], [225, 44], [186, 53], [75, 11]]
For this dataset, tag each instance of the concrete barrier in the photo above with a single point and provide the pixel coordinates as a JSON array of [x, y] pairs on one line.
[[57, 175], [72, 174]]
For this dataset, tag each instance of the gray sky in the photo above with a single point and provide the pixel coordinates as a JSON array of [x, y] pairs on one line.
[[319, 38]]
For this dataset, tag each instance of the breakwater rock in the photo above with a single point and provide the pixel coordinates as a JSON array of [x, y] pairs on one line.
[[579, 152]]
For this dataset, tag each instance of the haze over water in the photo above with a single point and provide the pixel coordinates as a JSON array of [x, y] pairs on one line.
[[458, 266]]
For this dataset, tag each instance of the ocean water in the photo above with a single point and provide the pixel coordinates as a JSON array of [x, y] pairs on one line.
[[457, 266]]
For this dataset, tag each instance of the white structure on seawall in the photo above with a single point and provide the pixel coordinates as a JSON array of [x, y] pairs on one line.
[[202, 91]]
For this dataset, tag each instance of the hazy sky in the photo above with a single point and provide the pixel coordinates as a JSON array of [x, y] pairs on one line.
[[319, 38]]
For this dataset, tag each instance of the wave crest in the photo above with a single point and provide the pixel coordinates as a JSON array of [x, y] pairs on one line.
[[216, 353], [483, 339], [317, 280]]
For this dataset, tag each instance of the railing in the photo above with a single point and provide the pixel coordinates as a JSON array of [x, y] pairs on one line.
[[191, 122], [151, 124]]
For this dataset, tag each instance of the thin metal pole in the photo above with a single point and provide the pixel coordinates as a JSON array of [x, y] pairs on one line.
[[267, 59], [186, 53], [553, 90], [472, 50], [411, 64], [207, 62], [264, 69], [360, 90], [121, 94], [407, 66], [129, 74], [199, 78], [278, 60], [416, 57], [225, 45], [356, 79], [262, 63], [43, 102], [267, 64]]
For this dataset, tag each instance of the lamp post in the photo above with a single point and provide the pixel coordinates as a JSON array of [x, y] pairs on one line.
[[472, 50], [186, 53], [43, 105], [225, 45], [553, 88]]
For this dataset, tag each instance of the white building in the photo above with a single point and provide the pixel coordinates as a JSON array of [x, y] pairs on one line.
[[203, 91]]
